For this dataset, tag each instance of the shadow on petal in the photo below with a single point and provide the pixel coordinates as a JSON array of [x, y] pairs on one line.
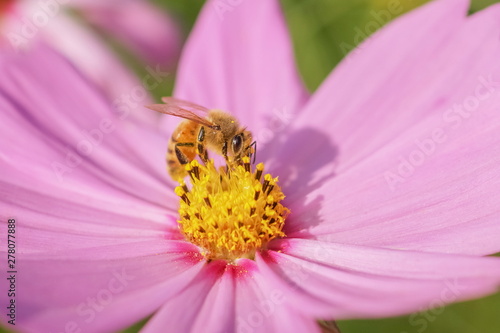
[[303, 160]]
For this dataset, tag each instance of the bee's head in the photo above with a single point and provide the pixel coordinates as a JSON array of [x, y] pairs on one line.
[[242, 144]]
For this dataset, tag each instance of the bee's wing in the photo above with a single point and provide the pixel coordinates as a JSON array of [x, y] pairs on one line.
[[185, 104], [179, 108]]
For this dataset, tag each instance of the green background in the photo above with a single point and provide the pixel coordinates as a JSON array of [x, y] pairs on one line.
[[318, 28]]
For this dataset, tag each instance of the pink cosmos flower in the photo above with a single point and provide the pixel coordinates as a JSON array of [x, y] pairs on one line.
[[147, 32], [390, 172]]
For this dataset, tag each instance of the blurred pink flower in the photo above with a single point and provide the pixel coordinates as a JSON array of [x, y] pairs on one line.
[[148, 32], [371, 234]]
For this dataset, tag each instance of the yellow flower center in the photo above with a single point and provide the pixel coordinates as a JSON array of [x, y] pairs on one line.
[[230, 214]]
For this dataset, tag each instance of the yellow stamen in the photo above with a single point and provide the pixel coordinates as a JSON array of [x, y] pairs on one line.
[[230, 215]]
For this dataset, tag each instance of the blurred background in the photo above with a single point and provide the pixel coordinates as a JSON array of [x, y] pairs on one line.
[[323, 32]]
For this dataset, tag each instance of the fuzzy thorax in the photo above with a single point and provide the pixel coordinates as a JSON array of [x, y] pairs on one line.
[[230, 214]]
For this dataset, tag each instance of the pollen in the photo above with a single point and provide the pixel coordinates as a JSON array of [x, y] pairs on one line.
[[230, 213]]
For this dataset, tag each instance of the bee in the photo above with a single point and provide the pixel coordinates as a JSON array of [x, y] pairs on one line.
[[203, 130]]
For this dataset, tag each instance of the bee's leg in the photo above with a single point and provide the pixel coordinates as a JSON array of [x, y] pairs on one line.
[[202, 152], [180, 155], [253, 151], [224, 153]]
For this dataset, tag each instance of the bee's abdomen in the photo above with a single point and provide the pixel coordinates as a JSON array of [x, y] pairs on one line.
[[186, 132]]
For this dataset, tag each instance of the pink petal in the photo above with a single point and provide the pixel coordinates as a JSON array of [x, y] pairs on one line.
[[380, 90], [263, 306], [100, 65], [309, 306], [85, 215], [365, 106], [111, 147], [218, 313], [208, 297], [72, 165], [139, 25], [361, 281], [230, 298], [100, 290], [233, 63], [445, 202]]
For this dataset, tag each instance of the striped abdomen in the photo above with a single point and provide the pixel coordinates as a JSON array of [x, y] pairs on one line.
[[185, 133]]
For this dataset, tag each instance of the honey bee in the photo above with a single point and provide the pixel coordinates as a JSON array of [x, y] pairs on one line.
[[203, 130]]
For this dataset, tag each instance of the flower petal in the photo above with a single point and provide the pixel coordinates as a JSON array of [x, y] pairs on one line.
[[435, 188], [205, 303], [380, 90], [74, 132], [99, 290], [138, 24], [432, 187], [371, 282], [266, 306], [230, 298], [232, 63], [53, 216], [101, 65], [71, 165]]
